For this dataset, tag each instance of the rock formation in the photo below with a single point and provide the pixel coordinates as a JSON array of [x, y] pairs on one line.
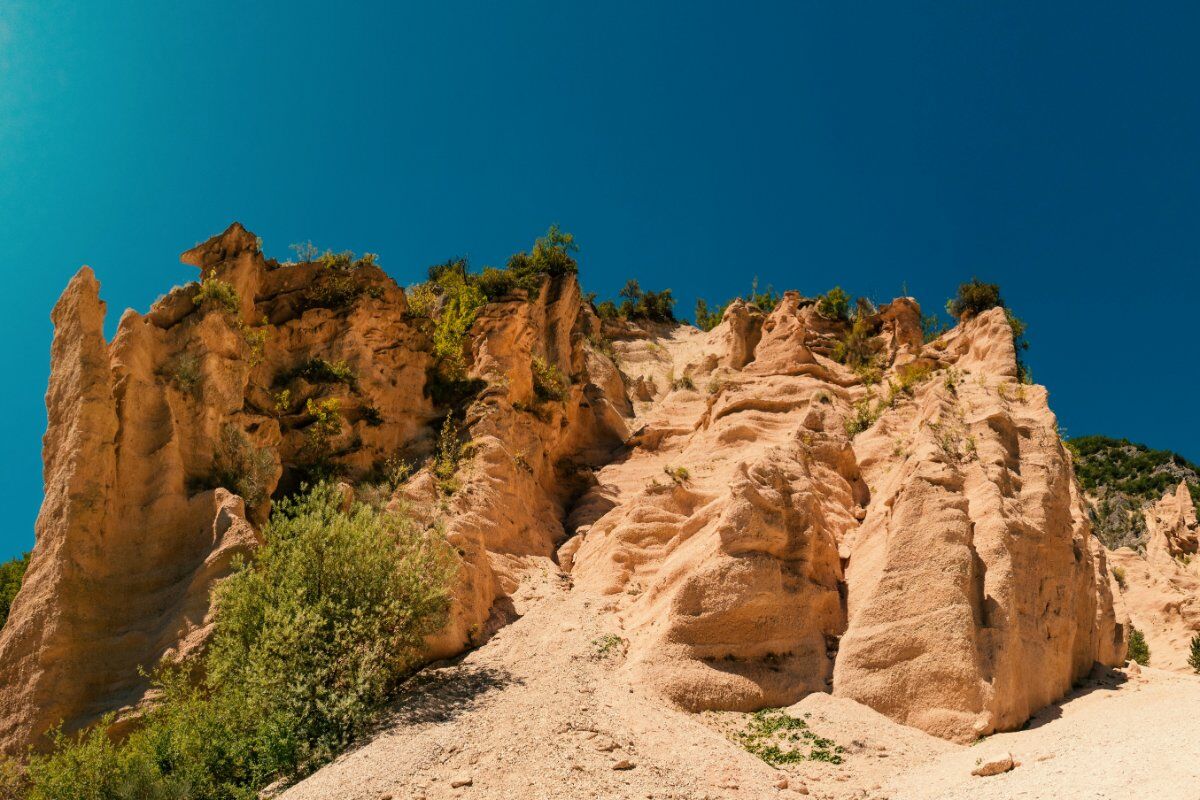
[[1161, 588], [763, 519]]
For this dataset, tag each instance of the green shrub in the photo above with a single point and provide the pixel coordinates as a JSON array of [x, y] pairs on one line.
[[1139, 651], [241, 467], [932, 327], [462, 300], [678, 475], [185, 373], [311, 639], [974, 297], [834, 304], [326, 424], [854, 348], [648, 306], [551, 255], [12, 572], [447, 456], [216, 293], [548, 380], [683, 382], [1194, 654], [866, 411]]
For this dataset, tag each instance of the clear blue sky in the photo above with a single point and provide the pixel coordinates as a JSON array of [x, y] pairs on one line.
[[692, 145]]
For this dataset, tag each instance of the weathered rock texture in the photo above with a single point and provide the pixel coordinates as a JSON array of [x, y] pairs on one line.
[[1161, 588], [760, 520]]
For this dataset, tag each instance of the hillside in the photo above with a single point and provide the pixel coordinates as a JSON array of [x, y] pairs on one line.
[[1120, 478]]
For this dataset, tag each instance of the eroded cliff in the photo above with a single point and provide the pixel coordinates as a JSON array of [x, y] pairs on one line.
[[789, 503]]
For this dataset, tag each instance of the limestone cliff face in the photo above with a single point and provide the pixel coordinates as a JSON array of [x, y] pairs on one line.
[[759, 519]]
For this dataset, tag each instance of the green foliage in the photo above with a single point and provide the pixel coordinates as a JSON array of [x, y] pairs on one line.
[[834, 304], [678, 475], [604, 645], [461, 300], [865, 412], [326, 423], [854, 348], [1119, 465], [1139, 651], [608, 310], [777, 738], [647, 306], [12, 572], [548, 381], [932, 327], [707, 320], [241, 467], [185, 373], [216, 293], [551, 255], [974, 297], [683, 382], [310, 641], [1194, 654], [319, 370], [447, 456]]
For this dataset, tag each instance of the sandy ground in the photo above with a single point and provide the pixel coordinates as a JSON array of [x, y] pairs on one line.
[[546, 710]]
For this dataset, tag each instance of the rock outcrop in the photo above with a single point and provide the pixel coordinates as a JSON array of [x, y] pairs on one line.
[[1161, 587], [761, 520]]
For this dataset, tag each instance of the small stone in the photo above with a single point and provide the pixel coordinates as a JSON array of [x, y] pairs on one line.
[[994, 765], [782, 783], [801, 789], [460, 780], [624, 763]]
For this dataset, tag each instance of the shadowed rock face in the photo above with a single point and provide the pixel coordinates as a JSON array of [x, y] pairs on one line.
[[761, 521]]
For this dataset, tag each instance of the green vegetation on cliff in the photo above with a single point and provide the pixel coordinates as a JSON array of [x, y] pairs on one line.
[[1120, 478], [11, 574], [311, 639]]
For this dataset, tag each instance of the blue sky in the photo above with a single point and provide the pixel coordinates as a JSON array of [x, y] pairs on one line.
[[693, 145]]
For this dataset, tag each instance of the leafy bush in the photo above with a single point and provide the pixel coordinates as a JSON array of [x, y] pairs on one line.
[[326, 424], [1139, 651], [683, 382], [241, 467], [216, 293], [12, 572], [912, 375], [1194, 654], [548, 380], [462, 300], [310, 640], [932, 327], [854, 348], [643, 305], [834, 304], [974, 297], [551, 255]]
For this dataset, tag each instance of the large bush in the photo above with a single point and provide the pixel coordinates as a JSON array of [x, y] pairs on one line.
[[974, 297], [311, 639]]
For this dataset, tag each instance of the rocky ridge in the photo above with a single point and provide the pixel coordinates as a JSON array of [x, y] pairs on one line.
[[759, 520]]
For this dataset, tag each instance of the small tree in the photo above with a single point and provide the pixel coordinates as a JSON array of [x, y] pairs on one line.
[[1194, 657], [1139, 651]]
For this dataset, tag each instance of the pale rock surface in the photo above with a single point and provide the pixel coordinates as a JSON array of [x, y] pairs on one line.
[[1162, 586]]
